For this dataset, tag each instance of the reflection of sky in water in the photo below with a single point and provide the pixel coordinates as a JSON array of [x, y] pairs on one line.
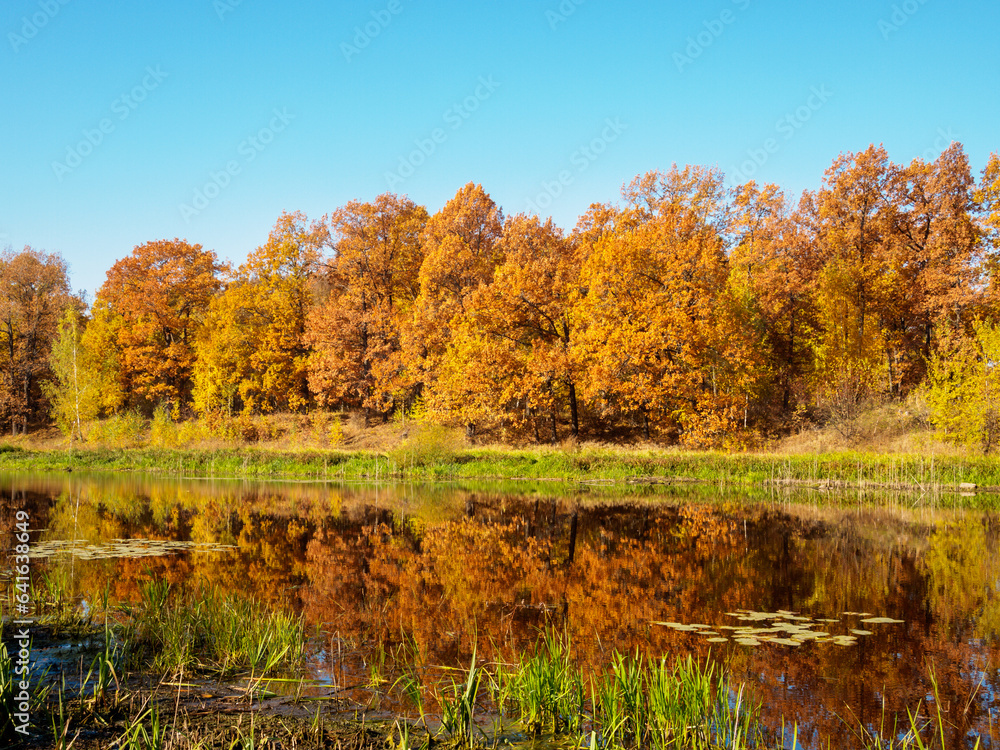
[[429, 565]]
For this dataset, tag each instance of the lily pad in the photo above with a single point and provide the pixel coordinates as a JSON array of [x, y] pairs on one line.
[[882, 620], [132, 548]]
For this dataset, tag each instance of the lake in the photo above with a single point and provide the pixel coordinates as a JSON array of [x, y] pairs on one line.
[[856, 600]]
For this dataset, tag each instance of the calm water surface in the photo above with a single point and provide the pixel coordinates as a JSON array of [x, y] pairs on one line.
[[413, 571]]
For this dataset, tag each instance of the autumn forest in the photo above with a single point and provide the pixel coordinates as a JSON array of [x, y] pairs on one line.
[[687, 313]]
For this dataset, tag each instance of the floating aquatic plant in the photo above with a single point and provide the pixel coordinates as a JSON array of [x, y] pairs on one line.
[[82, 549], [784, 627]]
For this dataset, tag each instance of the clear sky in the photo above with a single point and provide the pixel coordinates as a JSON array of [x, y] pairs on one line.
[[124, 123]]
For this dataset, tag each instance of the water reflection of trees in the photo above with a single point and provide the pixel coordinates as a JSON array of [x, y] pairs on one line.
[[505, 572], [438, 567]]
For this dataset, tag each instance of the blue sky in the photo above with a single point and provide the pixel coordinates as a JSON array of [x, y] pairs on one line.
[[205, 119]]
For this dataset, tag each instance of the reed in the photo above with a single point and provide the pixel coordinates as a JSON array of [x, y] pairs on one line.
[[917, 734], [211, 632], [104, 670], [637, 703], [145, 732], [458, 707], [547, 687], [7, 693]]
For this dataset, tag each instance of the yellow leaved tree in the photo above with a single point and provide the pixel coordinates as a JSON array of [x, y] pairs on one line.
[[252, 353], [461, 247]]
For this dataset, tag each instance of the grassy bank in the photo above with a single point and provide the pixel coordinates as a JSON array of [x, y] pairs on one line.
[[575, 464]]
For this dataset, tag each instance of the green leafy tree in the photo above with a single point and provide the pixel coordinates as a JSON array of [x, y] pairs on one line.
[[74, 390], [963, 387]]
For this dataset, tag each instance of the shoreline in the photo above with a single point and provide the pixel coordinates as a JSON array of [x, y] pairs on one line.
[[835, 471]]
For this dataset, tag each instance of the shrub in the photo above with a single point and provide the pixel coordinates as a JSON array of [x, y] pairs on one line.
[[428, 444], [327, 429], [123, 430]]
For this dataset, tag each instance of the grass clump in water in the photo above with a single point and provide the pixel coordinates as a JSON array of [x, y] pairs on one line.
[[547, 688], [684, 705], [637, 704], [212, 633], [458, 710]]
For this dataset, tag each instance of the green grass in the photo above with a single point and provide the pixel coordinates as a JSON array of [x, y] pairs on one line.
[[589, 463], [7, 693], [547, 688], [637, 703], [664, 704], [681, 705], [213, 633], [647, 703], [458, 707]]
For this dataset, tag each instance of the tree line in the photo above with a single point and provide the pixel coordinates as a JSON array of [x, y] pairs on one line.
[[686, 312]]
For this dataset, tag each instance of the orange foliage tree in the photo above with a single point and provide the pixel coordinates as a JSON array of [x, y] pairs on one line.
[[860, 289], [150, 307], [664, 341], [898, 255], [988, 215], [939, 249], [34, 291], [775, 272], [511, 357], [373, 281], [702, 314]]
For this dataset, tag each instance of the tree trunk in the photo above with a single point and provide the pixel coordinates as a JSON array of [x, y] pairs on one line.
[[574, 414], [572, 537]]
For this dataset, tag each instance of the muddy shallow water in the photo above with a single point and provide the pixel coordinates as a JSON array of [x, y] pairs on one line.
[[855, 603]]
